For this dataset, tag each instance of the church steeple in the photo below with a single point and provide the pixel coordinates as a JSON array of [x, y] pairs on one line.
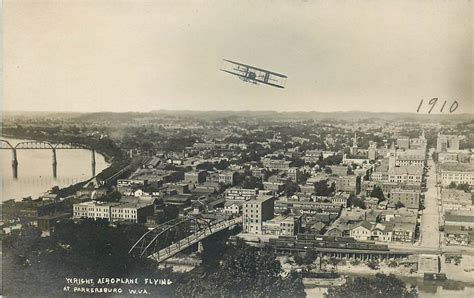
[[354, 141]]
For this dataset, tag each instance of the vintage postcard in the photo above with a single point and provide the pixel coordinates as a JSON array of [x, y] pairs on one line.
[[205, 148]]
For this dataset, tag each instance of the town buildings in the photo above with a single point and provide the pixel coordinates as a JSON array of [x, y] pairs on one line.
[[459, 173], [255, 211], [113, 211]]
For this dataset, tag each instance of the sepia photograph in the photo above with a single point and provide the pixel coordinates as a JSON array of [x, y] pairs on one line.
[[225, 148]]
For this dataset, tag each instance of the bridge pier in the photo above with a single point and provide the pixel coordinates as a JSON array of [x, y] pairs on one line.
[[55, 164], [15, 164], [93, 163], [200, 247]]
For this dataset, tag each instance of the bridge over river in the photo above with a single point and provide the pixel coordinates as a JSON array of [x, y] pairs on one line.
[[176, 235], [43, 145]]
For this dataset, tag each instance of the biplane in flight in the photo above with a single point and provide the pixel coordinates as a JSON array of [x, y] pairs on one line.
[[255, 75]]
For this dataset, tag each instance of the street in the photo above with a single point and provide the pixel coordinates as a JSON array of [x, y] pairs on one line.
[[430, 235]]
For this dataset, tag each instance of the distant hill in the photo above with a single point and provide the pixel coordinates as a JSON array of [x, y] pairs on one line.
[[267, 115]]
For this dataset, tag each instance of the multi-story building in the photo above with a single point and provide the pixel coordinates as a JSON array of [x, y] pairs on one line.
[[460, 218], [256, 211], [409, 198], [195, 177], [410, 158], [293, 174], [403, 142], [116, 211], [447, 143], [372, 151], [276, 164], [283, 225], [456, 172], [307, 207], [131, 212], [93, 209], [405, 174], [131, 183], [456, 199], [349, 184], [387, 187], [227, 177], [312, 156], [341, 199], [240, 193]]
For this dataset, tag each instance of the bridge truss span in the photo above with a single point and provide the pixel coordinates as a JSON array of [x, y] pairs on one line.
[[34, 145], [174, 236]]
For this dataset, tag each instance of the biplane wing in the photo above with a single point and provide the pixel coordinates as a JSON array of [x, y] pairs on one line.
[[256, 68], [255, 75], [268, 83]]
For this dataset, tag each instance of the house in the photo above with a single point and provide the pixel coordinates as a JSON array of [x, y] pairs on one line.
[[361, 231], [340, 198], [371, 203], [456, 235], [403, 232], [233, 206], [382, 232]]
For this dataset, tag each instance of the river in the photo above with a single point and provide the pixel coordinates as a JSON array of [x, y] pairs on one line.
[[35, 171]]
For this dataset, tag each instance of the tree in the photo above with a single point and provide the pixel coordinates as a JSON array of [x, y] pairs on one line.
[[297, 162], [310, 256], [321, 188], [380, 286], [169, 212], [464, 186], [355, 201], [222, 164], [452, 184], [399, 205], [245, 271], [110, 197], [37, 266], [377, 192], [290, 188], [205, 166], [251, 182], [327, 170]]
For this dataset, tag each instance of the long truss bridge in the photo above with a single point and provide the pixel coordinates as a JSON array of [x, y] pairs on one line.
[[43, 145]]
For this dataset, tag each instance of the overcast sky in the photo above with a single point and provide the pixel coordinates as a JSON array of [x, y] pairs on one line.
[[148, 55]]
